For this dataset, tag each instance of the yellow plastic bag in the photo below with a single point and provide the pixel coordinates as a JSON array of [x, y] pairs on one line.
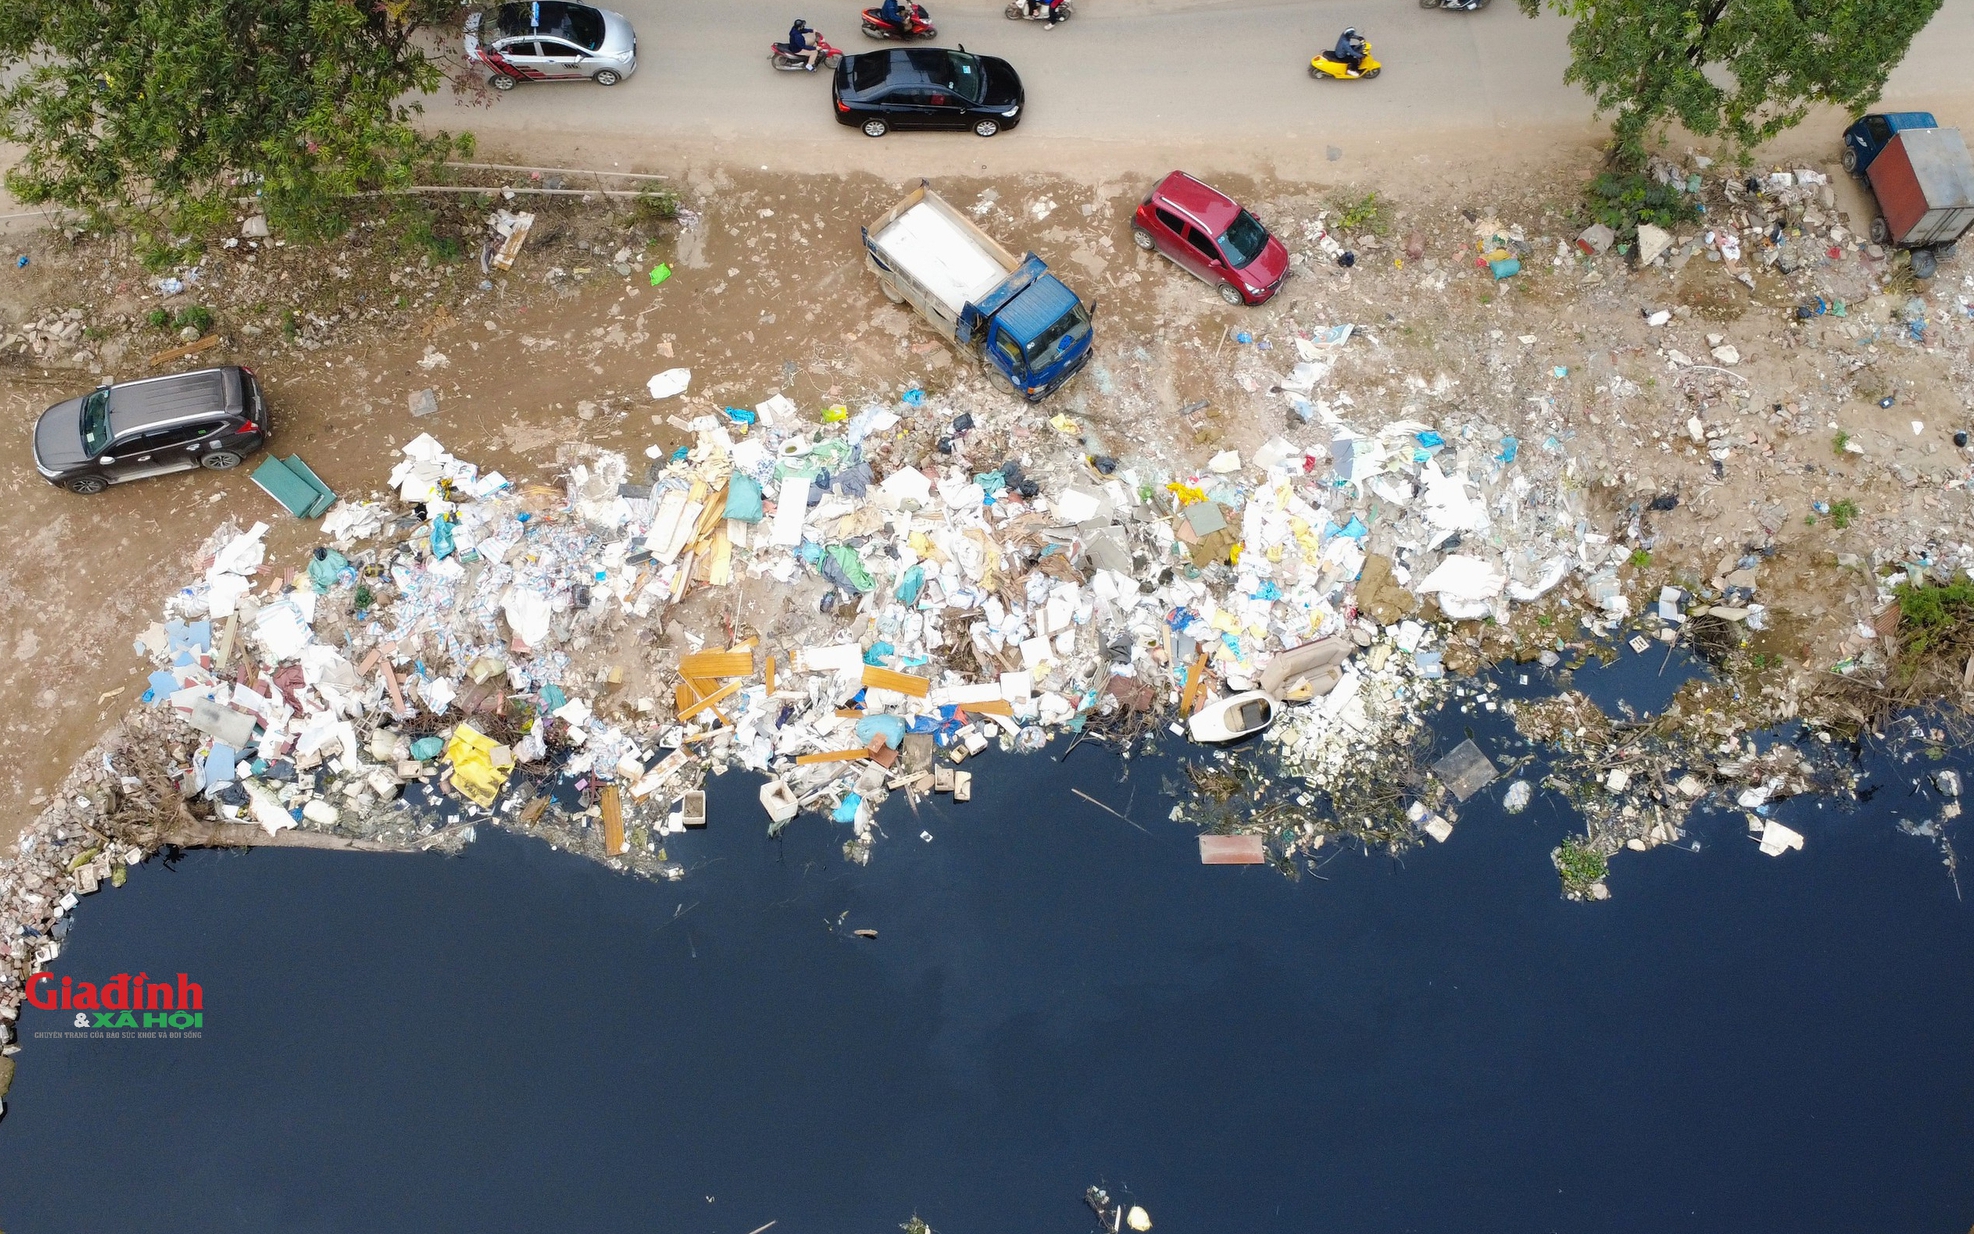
[[480, 765]]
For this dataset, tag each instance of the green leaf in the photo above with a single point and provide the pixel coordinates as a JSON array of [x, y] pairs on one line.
[[1741, 70], [167, 110]]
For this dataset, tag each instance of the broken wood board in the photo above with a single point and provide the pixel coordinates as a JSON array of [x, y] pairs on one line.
[[610, 801], [1194, 680], [832, 756], [193, 348], [888, 679], [717, 664], [511, 247], [711, 700]]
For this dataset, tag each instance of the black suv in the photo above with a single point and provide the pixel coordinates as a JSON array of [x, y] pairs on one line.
[[213, 418], [926, 88]]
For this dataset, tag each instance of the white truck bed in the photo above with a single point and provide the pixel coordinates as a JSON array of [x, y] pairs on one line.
[[938, 250]]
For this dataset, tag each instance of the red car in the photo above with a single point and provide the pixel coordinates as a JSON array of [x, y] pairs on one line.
[[1209, 233]]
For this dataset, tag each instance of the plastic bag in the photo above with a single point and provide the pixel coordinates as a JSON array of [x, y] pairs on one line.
[[323, 567], [744, 498], [841, 565]]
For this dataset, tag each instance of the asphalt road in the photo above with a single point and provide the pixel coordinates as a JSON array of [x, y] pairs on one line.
[[1223, 83]]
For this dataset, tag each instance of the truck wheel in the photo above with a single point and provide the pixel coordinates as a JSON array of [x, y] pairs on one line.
[[1924, 264], [1946, 251], [1001, 381], [891, 293], [1879, 231], [1850, 160], [1142, 238], [875, 127]]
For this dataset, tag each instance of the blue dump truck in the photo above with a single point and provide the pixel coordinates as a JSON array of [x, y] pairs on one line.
[[1032, 334]]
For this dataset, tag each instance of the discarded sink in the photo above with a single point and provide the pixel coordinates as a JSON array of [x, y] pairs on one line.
[[1233, 717]]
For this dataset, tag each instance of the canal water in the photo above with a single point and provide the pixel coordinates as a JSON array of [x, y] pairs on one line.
[[519, 1040]]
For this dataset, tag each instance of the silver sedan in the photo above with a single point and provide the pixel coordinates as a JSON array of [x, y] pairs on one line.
[[551, 40]]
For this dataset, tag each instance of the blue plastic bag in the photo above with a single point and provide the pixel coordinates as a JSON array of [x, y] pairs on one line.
[[846, 811], [441, 539], [909, 584], [889, 727], [744, 498]]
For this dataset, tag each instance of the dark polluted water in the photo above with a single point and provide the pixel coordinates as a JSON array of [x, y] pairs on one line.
[[520, 1040]]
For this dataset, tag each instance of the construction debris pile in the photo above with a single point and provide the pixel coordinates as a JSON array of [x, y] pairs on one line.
[[963, 578]]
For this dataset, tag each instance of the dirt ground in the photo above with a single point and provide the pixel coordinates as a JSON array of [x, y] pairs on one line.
[[769, 294]]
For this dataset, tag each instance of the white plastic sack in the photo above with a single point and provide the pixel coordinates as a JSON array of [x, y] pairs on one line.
[[241, 554], [527, 614], [1466, 586], [670, 382]]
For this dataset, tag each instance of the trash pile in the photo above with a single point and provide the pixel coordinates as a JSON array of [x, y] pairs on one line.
[[947, 579], [1634, 781]]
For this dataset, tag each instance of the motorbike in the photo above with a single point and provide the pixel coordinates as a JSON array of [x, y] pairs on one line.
[[1325, 67], [1019, 10], [781, 56], [1459, 6], [917, 24]]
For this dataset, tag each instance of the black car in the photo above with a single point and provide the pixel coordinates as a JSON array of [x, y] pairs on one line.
[[213, 418], [926, 88]]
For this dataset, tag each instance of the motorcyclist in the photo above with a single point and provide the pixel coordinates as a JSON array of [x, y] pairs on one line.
[[804, 42], [1350, 50], [893, 14], [1053, 6]]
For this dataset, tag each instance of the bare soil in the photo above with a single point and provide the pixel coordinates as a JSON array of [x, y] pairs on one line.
[[769, 294]]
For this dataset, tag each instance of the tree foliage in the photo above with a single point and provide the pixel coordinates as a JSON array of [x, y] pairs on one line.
[[168, 108], [1744, 70]]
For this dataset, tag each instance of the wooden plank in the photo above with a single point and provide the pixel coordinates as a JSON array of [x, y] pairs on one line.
[[1194, 680], [716, 696], [224, 652], [832, 756], [771, 673], [612, 804], [994, 707], [712, 514], [904, 683], [511, 247], [179, 353], [391, 687], [1232, 850], [711, 664]]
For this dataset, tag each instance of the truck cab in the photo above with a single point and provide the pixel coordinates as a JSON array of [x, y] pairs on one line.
[[1038, 332], [1864, 139], [1028, 330]]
